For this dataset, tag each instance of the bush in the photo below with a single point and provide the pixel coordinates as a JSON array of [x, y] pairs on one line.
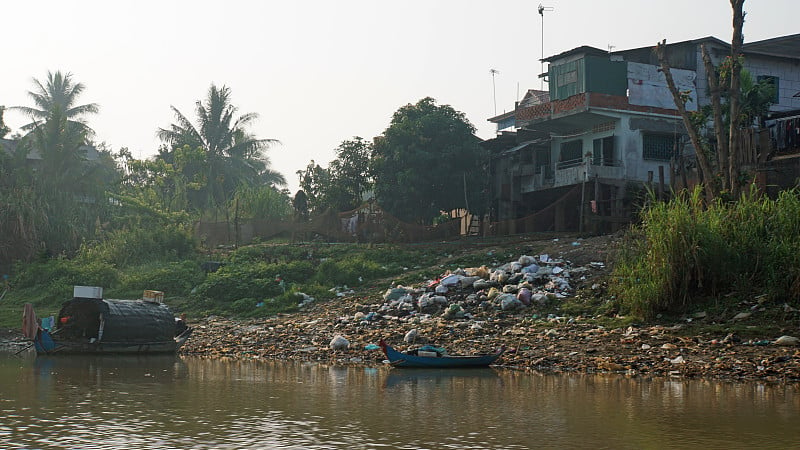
[[173, 278], [141, 245], [684, 252], [55, 278], [349, 271]]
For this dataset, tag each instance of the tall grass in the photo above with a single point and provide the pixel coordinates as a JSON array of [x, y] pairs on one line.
[[684, 252]]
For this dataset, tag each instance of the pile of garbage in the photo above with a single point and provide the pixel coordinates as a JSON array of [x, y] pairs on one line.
[[528, 282]]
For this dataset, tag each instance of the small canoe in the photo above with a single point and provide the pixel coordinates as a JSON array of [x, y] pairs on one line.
[[436, 359]]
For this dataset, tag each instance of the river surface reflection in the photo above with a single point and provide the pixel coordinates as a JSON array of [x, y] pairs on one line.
[[183, 402]]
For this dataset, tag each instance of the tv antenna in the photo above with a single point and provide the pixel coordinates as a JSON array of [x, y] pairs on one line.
[[494, 90], [542, 9]]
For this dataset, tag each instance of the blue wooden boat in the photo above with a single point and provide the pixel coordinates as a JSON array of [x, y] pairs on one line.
[[437, 359]]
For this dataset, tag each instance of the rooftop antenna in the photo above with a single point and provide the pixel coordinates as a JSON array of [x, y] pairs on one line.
[[494, 91], [611, 48], [542, 9]]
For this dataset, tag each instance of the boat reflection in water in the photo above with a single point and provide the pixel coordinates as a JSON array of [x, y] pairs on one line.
[[439, 377], [116, 369]]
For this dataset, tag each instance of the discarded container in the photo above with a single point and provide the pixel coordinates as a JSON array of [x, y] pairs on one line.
[[339, 343], [153, 296], [411, 336], [94, 292], [787, 341]]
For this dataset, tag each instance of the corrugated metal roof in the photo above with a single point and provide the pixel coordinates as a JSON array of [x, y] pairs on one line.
[[525, 144], [584, 49], [787, 46]]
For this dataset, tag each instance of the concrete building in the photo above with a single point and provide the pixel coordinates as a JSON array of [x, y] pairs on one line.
[[574, 157]]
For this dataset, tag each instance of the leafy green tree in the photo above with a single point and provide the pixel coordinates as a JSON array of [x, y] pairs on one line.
[[756, 99], [427, 161], [233, 157], [263, 202], [21, 213], [300, 206], [349, 173], [4, 130], [342, 185], [313, 183]]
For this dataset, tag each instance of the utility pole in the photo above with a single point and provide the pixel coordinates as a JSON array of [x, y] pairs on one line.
[[542, 9], [494, 90]]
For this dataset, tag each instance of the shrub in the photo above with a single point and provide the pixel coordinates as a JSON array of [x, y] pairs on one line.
[[141, 245], [173, 278], [350, 271], [56, 277], [684, 252]]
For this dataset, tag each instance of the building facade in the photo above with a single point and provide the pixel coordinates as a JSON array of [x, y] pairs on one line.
[[575, 157]]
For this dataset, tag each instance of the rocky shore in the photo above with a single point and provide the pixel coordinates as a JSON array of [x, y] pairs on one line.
[[477, 310], [550, 345], [514, 304]]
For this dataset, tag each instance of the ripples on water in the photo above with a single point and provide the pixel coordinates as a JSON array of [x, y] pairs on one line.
[[169, 402]]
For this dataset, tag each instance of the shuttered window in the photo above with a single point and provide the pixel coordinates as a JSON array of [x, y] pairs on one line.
[[571, 151], [657, 146]]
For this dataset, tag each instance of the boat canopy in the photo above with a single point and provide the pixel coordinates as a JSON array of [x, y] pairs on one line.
[[133, 321]]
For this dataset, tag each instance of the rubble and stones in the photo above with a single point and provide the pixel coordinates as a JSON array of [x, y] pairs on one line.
[[484, 308]]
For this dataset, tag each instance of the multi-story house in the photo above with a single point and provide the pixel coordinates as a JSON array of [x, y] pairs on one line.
[[569, 158]]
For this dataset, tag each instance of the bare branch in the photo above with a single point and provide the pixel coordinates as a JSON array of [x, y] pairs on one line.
[[694, 135]]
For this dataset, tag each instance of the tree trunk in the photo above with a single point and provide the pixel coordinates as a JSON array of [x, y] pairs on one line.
[[719, 124], [735, 107], [680, 103]]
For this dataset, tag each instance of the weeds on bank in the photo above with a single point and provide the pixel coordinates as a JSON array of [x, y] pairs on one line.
[[685, 252], [253, 281]]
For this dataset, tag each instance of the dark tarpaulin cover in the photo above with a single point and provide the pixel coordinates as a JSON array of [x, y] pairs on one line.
[[135, 321]]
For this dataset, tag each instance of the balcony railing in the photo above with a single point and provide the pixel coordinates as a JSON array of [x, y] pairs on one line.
[[570, 172], [569, 163]]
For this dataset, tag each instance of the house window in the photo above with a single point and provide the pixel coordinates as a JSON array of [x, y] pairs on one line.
[[775, 82], [603, 151], [566, 78], [658, 146], [571, 151], [543, 161]]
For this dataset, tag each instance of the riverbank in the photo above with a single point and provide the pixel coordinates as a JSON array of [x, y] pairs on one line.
[[567, 324], [557, 335]]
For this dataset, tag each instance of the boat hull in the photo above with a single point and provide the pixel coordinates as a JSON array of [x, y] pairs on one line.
[[399, 359], [45, 344]]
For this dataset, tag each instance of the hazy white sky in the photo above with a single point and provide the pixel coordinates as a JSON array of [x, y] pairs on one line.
[[320, 72]]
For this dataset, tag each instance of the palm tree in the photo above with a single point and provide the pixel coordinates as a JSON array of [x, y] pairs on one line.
[[58, 95], [233, 156], [67, 189], [58, 129]]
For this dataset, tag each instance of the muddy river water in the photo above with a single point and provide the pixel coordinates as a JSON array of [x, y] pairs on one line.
[[185, 402]]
